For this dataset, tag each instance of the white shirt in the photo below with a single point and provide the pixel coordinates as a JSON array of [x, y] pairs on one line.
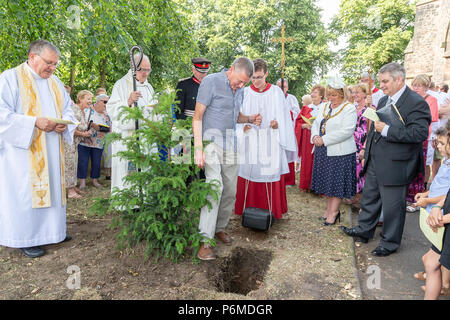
[[315, 109], [394, 99]]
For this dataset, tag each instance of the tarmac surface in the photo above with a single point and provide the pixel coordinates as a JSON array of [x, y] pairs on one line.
[[391, 277]]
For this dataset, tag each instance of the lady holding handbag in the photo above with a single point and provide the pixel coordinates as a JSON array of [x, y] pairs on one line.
[[92, 148]]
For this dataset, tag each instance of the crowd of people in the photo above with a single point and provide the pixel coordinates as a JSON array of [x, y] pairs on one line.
[[261, 140]]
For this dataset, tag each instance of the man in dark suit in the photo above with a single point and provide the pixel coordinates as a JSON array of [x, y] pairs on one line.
[[393, 158], [187, 88]]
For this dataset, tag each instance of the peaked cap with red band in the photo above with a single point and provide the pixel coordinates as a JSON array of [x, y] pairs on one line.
[[201, 64]]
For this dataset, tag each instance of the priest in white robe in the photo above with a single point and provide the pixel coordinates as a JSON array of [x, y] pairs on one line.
[[32, 190], [122, 96], [293, 108], [263, 160]]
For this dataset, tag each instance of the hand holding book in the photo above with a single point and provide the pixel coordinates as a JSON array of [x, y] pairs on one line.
[[62, 121]]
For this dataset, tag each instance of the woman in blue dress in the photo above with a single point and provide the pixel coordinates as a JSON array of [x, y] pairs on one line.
[[334, 169]]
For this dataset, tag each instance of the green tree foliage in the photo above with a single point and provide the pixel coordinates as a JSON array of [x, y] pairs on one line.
[[378, 32], [94, 37], [227, 29], [158, 207]]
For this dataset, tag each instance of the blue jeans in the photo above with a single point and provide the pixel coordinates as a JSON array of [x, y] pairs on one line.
[[84, 153]]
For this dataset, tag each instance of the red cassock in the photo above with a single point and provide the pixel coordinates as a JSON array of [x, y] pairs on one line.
[[304, 149], [270, 195], [263, 195]]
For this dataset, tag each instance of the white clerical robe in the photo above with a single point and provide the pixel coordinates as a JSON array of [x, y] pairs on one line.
[[119, 98], [20, 225], [262, 150], [293, 106]]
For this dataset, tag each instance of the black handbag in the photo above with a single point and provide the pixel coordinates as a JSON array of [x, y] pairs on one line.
[[257, 218]]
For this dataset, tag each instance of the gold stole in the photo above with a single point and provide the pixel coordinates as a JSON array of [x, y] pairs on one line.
[[37, 153]]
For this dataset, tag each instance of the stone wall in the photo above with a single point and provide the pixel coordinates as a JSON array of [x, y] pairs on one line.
[[429, 50]]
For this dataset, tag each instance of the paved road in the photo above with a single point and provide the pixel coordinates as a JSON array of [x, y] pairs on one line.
[[396, 281]]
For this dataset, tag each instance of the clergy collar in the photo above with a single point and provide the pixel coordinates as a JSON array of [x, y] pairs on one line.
[[33, 72], [268, 85]]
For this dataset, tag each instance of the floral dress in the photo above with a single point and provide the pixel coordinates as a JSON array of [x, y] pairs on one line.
[[71, 150], [360, 138]]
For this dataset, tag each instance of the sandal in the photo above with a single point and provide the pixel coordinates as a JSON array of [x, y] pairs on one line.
[[81, 192], [420, 276], [75, 196]]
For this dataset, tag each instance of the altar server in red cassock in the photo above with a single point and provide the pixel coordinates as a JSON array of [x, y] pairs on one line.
[[262, 149]]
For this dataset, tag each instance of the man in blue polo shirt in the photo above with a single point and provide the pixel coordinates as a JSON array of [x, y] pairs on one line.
[[217, 111]]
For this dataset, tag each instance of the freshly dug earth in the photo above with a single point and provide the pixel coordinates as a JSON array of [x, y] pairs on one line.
[[297, 259]]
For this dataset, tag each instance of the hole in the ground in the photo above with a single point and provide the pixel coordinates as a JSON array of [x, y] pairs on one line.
[[243, 271]]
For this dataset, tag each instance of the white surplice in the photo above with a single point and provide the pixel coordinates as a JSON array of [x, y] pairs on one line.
[[119, 98], [262, 150], [20, 225], [293, 106]]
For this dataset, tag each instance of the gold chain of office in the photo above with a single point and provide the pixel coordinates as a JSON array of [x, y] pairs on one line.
[[329, 116]]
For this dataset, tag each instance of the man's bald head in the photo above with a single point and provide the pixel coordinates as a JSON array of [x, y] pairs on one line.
[[144, 69]]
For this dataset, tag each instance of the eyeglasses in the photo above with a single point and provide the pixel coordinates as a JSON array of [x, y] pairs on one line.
[[145, 70], [258, 78], [49, 63]]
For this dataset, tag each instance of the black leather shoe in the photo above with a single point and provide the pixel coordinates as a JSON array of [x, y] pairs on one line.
[[381, 252], [33, 252], [356, 235], [67, 238]]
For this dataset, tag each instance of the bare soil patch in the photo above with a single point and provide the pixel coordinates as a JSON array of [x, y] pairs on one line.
[[297, 259]]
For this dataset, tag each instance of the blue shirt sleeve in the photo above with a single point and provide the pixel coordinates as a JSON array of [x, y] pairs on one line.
[[205, 91]]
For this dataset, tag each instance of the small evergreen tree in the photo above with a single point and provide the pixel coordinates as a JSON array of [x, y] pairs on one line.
[[158, 207]]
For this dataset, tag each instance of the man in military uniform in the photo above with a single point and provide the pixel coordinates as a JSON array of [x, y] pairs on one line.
[[187, 88]]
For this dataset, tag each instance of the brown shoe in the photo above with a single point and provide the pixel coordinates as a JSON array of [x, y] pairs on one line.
[[224, 237], [205, 252]]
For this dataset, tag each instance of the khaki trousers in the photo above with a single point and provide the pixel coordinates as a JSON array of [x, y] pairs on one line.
[[222, 166]]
